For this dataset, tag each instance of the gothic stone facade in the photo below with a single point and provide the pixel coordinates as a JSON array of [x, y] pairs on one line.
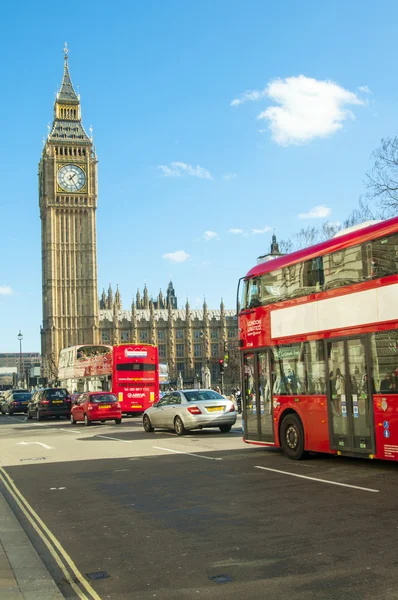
[[187, 339]]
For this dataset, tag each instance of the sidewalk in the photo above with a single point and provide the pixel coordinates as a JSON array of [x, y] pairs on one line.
[[23, 575]]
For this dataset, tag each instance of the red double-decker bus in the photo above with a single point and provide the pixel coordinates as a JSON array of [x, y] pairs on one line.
[[135, 377], [131, 371], [319, 341]]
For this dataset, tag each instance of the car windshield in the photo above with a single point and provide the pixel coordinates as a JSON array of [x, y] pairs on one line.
[[55, 394], [22, 396], [100, 398], [203, 396]]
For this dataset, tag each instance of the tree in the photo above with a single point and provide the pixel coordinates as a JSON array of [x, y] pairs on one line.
[[382, 181], [361, 214]]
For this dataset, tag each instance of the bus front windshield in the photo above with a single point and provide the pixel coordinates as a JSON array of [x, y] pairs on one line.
[[250, 297]]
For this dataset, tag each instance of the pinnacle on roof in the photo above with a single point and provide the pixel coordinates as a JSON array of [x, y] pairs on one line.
[[67, 93]]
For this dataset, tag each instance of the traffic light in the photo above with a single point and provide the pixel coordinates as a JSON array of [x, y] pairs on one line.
[[226, 355], [221, 363]]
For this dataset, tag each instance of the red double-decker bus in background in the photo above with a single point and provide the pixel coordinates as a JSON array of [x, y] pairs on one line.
[[135, 377], [131, 371], [319, 341]]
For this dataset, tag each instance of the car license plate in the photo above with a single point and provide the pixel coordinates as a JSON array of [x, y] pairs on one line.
[[23, 402], [136, 406], [57, 401], [215, 408], [104, 406]]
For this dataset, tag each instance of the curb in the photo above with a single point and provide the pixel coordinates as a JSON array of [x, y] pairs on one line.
[[23, 574]]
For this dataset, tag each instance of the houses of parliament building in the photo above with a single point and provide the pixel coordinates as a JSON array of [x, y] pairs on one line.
[[72, 312]]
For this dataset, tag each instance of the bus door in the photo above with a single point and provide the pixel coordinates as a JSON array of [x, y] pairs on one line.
[[350, 390], [257, 397]]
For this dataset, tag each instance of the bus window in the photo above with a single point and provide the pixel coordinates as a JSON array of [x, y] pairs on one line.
[[253, 293], [384, 256]]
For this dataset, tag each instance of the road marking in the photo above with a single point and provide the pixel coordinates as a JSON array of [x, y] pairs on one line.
[[69, 430], [187, 453], [17, 420], [50, 541], [38, 443], [355, 487], [106, 437]]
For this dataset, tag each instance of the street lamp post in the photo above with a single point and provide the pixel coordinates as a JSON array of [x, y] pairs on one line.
[[20, 337]]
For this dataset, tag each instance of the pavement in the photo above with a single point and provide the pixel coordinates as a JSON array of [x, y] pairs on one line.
[[23, 574]]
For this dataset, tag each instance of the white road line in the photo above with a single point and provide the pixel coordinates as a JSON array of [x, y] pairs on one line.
[[107, 437], [38, 443], [70, 430], [18, 420], [355, 487], [187, 453]]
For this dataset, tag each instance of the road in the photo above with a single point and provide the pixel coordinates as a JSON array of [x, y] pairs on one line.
[[202, 516]]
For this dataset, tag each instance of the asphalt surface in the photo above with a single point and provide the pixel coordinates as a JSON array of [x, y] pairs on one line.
[[170, 520]]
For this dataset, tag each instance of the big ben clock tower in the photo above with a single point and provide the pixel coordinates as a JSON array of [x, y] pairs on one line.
[[68, 202]]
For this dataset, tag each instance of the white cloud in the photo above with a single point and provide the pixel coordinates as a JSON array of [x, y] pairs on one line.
[[317, 212], [364, 89], [249, 95], [210, 235], [235, 231], [178, 256], [306, 108], [260, 231], [180, 169], [229, 176], [5, 290]]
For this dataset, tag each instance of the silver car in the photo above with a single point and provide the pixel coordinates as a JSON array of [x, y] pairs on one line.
[[190, 409]]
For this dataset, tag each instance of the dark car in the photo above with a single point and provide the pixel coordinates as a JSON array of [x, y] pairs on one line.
[[15, 401], [49, 402]]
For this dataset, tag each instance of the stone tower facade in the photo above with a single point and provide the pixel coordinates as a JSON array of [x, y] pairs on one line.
[[68, 202]]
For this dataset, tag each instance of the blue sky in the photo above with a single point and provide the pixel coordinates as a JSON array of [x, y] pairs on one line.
[[180, 163]]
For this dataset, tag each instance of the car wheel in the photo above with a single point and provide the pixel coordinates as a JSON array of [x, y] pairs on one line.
[[117, 421], [102, 421], [87, 422], [292, 437], [57, 417], [72, 419], [179, 426], [38, 416], [225, 428], [10, 413], [147, 424]]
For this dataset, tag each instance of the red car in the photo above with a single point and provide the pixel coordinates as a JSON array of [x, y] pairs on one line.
[[96, 406]]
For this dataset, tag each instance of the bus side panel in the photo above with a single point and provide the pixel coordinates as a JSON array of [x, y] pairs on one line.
[[386, 426], [313, 412]]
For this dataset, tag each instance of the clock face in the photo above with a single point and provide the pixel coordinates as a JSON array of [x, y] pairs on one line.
[[71, 178]]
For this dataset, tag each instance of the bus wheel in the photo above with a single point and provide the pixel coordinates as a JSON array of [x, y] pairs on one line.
[[292, 437], [147, 424], [179, 426]]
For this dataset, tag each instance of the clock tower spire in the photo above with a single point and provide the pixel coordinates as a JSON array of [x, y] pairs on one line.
[[68, 201]]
